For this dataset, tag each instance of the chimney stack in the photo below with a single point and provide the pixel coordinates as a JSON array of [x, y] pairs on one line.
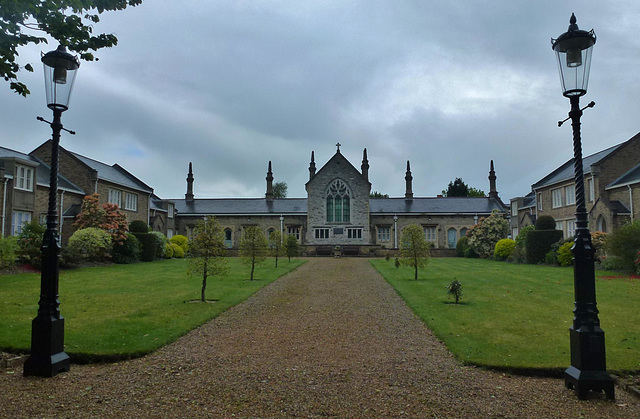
[[189, 195], [269, 194], [409, 192], [365, 166]]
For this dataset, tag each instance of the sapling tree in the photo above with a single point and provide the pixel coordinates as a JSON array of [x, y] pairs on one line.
[[106, 217], [206, 251], [291, 246], [455, 290], [414, 248], [275, 245], [253, 247]]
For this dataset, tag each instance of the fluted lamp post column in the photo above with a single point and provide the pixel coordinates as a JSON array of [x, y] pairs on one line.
[[48, 357], [588, 362]]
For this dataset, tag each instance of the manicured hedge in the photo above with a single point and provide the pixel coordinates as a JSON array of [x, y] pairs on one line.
[[148, 242], [538, 243]]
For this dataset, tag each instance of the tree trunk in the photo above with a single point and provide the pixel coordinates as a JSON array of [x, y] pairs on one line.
[[204, 281], [253, 266], [276, 260]]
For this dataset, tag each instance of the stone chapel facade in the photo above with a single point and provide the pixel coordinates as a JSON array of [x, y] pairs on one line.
[[338, 212]]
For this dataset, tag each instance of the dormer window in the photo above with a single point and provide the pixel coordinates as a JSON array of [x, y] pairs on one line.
[[24, 178], [338, 202]]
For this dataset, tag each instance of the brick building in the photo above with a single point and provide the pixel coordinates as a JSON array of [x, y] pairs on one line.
[[612, 192]]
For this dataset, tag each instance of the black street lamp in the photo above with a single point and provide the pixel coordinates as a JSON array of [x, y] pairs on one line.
[[588, 362], [47, 330]]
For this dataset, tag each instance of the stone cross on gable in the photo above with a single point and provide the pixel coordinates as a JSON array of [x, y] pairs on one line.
[[338, 145]]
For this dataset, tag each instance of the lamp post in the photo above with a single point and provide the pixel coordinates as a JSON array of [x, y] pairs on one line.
[[47, 331], [588, 362]]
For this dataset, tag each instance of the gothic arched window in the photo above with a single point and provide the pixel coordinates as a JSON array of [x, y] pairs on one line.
[[338, 202]]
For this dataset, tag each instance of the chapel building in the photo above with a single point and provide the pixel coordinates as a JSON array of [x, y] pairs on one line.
[[339, 213]]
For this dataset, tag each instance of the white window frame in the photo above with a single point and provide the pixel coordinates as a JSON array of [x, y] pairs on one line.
[[23, 178], [592, 192], [115, 197], [539, 200], [18, 219], [384, 234], [321, 233], [170, 233], [560, 225], [571, 228], [514, 208], [131, 201], [430, 233], [556, 198], [354, 233], [170, 210], [295, 231], [570, 195]]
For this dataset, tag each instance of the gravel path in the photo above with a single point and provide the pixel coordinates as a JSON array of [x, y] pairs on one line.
[[330, 339]]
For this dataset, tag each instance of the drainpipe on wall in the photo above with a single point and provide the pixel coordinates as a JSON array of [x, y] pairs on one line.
[[4, 205], [395, 231], [631, 200]]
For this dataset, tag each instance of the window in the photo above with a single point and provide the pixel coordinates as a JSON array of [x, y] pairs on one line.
[[570, 194], [169, 233], [601, 224], [228, 238], [270, 232], [384, 234], [514, 233], [514, 208], [560, 225], [19, 219], [170, 210], [115, 197], [556, 198], [539, 200], [592, 192], [571, 228], [452, 238], [131, 202], [430, 234], [322, 233], [24, 178], [294, 231], [338, 203], [354, 233]]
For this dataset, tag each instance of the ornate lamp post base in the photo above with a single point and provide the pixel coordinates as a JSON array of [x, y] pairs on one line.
[[47, 350], [588, 368]]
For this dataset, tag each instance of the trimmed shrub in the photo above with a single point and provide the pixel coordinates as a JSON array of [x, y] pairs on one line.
[[161, 243], [517, 255], [545, 222], [148, 243], [178, 252], [128, 251], [470, 253], [565, 256], [522, 236], [168, 251], [8, 251], [612, 263], [462, 246], [90, 244], [599, 242], [539, 242], [138, 226], [30, 243], [181, 241], [624, 243], [503, 249]]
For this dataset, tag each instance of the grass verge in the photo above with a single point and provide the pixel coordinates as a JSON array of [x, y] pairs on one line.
[[124, 311], [516, 317]]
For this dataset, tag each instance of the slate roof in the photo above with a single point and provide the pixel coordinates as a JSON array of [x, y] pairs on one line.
[[241, 206], [441, 205], [115, 174], [566, 171], [43, 171], [629, 178]]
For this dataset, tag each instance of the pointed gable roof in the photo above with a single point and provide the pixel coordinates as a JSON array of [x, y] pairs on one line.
[[336, 160]]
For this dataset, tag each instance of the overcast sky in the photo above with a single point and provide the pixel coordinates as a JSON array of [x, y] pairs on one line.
[[230, 85]]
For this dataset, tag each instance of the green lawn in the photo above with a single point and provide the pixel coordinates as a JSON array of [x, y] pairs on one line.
[[517, 316], [123, 311]]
